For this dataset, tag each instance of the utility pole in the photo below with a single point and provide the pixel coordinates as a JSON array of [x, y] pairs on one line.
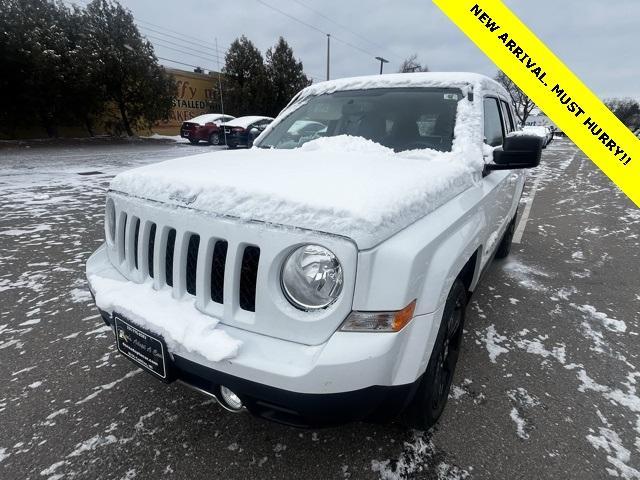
[[224, 133], [382, 62], [328, 52]]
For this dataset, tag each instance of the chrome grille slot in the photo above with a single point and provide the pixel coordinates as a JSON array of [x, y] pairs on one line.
[[218, 262], [152, 243], [122, 237], [168, 264], [248, 278], [136, 235], [192, 263]]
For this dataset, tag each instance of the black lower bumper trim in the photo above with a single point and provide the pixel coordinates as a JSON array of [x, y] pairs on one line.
[[305, 410]]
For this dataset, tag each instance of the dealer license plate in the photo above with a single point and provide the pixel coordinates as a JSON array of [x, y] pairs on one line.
[[142, 348]]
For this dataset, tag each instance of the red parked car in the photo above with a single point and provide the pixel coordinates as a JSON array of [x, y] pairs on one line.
[[206, 127]]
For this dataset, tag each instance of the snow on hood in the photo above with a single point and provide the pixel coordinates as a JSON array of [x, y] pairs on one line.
[[244, 122], [206, 118], [340, 185]]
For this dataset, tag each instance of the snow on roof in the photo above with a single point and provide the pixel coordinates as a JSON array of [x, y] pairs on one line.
[[462, 80], [341, 185], [209, 117], [244, 122]]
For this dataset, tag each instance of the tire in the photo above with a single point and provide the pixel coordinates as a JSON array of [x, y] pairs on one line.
[[193, 141], [504, 248], [431, 395], [214, 139]]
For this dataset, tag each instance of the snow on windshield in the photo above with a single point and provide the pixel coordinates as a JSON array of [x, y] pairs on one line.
[[399, 118]]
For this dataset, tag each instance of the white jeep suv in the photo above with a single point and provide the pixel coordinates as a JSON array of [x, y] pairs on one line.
[[322, 275]]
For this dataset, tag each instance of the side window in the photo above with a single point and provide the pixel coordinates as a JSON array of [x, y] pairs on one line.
[[493, 133], [508, 118]]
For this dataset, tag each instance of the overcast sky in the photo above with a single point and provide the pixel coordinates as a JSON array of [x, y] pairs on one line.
[[598, 40]]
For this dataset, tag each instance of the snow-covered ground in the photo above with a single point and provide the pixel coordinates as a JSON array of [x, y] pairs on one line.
[[546, 386]]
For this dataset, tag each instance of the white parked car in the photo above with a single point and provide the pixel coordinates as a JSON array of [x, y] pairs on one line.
[[320, 278], [542, 131]]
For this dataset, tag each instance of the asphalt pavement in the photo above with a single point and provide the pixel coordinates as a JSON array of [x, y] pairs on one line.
[[546, 386]]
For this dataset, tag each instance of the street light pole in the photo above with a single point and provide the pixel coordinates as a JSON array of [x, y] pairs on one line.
[[328, 52], [382, 62]]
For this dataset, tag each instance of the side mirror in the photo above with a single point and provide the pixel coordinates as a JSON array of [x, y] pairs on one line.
[[518, 151]]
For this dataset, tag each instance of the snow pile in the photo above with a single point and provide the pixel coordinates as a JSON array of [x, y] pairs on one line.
[[175, 138], [177, 320], [341, 185]]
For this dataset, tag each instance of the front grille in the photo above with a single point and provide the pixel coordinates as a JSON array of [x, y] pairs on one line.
[[183, 255]]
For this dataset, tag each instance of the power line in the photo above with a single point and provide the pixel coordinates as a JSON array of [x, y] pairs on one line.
[[362, 50], [199, 44], [340, 25], [201, 41], [210, 58], [292, 17], [212, 55], [186, 64]]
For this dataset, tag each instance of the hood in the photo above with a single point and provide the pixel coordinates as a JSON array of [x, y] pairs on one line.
[[342, 185]]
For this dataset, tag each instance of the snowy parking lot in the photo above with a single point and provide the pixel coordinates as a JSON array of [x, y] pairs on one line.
[[546, 386]]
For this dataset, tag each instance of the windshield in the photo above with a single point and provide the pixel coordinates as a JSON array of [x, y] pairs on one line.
[[398, 118]]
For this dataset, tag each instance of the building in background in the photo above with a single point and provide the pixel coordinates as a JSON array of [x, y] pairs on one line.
[[196, 93]]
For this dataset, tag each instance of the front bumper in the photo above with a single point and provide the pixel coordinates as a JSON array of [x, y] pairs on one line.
[[351, 376]]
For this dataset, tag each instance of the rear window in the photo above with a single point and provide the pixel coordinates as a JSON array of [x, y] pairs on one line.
[[398, 118]]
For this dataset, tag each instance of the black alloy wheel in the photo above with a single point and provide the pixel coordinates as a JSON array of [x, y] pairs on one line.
[[432, 393]]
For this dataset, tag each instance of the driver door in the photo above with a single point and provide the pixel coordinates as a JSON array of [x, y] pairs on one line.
[[498, 185]]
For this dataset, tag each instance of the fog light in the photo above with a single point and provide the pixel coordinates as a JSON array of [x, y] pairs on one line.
[[230, 399]]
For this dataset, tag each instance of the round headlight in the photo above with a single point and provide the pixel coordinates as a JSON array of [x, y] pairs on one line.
[[110, 220], [311, 277]]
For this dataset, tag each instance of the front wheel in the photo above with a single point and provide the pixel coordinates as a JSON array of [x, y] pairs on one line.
[[214, 139], [194, 141], [431, 396]]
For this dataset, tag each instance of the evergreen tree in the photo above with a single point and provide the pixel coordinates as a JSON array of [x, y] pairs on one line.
[[84, 82], [285, 74], [34, 51], [127, 67], [247, 90]]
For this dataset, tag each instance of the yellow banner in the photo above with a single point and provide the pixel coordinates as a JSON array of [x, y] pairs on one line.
[[552, 86]]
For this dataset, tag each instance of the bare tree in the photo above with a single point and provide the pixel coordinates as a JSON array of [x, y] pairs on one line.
[[412, 64], [522, 104]]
